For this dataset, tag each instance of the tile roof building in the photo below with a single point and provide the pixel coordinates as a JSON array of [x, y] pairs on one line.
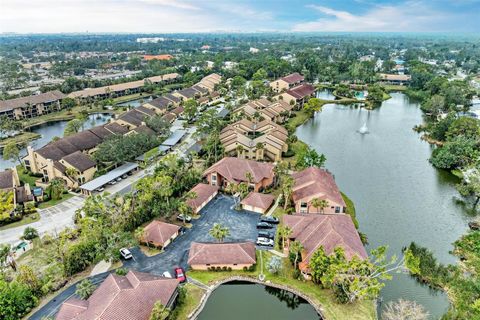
[[161, 57], [257, 202], [298, 95], [276, 111], [212, 255], [129, 297], [159, 233], [32, 106], [395, 78], [287, 82], [315, 183], [234, 170], [324, 230], [252, 140], [204, 193]]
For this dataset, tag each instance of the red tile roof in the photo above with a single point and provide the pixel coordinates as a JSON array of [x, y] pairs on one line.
[[158, 232], [316, 183], [258, 200], [222, 253], [301, 91], [293, 78], [235, 170], [203, 192], [129, 297], [327, 230]]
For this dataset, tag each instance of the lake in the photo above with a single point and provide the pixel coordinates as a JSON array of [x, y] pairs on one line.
[[55, 129], [134, 103], [244, 300], [398, 195]]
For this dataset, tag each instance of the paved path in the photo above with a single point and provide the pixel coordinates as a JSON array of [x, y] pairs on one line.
[[100, 267], [272, 209], [52, 220]]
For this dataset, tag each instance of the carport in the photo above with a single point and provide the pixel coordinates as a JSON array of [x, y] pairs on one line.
[[101, 181]]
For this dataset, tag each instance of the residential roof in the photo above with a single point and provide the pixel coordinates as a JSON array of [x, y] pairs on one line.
[[222, 253], [160, 103], [79, 161], [133, 117], [258, 200], [116, 128], [188, 93], [174, 138], [146, 111], [178, 110], [6, 179], [293, 78], [129, 297], [202, 193], [301, 91], [144, 129], [158, 232], [149, 57], [235, 170], [327, 230], [316, 183], [106, 178], [395, 77], [100, 132], [46, 97]]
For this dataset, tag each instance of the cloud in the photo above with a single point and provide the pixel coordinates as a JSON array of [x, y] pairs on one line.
[[408, 16], [171, 3]]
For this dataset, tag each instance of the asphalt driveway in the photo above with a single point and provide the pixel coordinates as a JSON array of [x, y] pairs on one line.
[[242, 226]]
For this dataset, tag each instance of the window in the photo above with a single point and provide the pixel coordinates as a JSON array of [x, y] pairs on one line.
[[208, 264], [337, 209], [234, 264]]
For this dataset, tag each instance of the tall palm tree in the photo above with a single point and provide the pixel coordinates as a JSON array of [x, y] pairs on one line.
[[296, 249], [219, 232], [287, 189], [239, 151], [56, 186], [285, 232], [321, 204]]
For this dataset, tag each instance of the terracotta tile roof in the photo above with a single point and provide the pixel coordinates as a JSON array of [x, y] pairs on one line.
[[79, 161], [327, 230], [235, 170], [149, 57], [293, 78], [258, 200], [222, 253], [129, 297], [202, 191], [21, 102], [301, 91], [316, 183], [6, 179], [133, 117], [158, 232]]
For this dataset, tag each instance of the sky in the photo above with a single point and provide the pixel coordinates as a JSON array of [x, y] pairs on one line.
[[172, 16]]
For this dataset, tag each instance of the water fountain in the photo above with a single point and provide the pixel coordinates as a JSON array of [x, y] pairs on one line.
[[363, 129]]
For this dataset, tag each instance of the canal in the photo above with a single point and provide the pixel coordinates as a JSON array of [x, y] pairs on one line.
[[398, 195], [244, 300], [55, 129]]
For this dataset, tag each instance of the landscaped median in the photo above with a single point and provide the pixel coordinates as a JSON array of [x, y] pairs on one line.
[[321, 299]]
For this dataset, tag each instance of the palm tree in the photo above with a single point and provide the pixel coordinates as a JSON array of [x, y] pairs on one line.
[[249, 177], [260, 147], [139, 234], [57, 186], [287, 185], [159, 312], [284, 232], [296, 249], [219, 232], [239, 150], [321, 204], [85, 289], [243, 189]]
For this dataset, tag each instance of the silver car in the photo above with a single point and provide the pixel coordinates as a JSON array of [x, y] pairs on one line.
[[125, 253]]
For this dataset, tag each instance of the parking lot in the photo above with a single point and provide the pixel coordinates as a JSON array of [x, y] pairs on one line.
[[242, 226]]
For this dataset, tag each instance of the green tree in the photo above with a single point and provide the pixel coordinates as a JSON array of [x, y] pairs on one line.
[[85, 289], [313, 105], [295, 250], [466, 127], [309, 157], [470, 186], [28, 278], [404, 310], [158, 124], [275, 265], [12, 153], [260, 74], [375, 94], [30, 233], [321, 204], [56, 188], [456, 153], [190, 109], [219, 232], [159, 312], [287, 190], [72, 127], [284, 232], [68, 103], [16, 300]]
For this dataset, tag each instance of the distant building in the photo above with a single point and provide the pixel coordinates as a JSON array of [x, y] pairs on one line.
[[122, 297], [297, 95], [400, 79], [10, 183], [253, 50], [287, 82], [219, 255], [234, 171], [32, 106], [161, 57]]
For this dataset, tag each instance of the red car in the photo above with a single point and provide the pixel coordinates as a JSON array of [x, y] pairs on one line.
[[180, 274]]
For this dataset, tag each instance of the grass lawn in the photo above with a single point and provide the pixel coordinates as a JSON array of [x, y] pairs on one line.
[[21, 138], [325, 298], [26, 220], [25, 177], [350, 209], [194, 295], [52, 202]]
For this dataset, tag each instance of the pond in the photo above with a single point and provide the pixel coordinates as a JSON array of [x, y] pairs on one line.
[[134, 103], [398, 195], [55, 129], [244, 300], [325, 94]]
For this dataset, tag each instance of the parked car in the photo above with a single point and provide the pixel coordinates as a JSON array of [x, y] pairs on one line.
[[266, 234], [167, 274], [112, 182], [269, 219], [180, 274], [264, 225], [125, 253], [101, 189], [124, 176], [119, 179], [265, 242], [187, 217]]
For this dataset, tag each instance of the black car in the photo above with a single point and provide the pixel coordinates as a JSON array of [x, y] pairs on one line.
[[266, 234], [269, 219], [264, 225]]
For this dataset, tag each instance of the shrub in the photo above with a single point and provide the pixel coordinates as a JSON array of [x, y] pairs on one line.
[[30, 233], [251, 268], [224, 268], [121, 271], [245, 268], [229, 269], [219, 269]]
